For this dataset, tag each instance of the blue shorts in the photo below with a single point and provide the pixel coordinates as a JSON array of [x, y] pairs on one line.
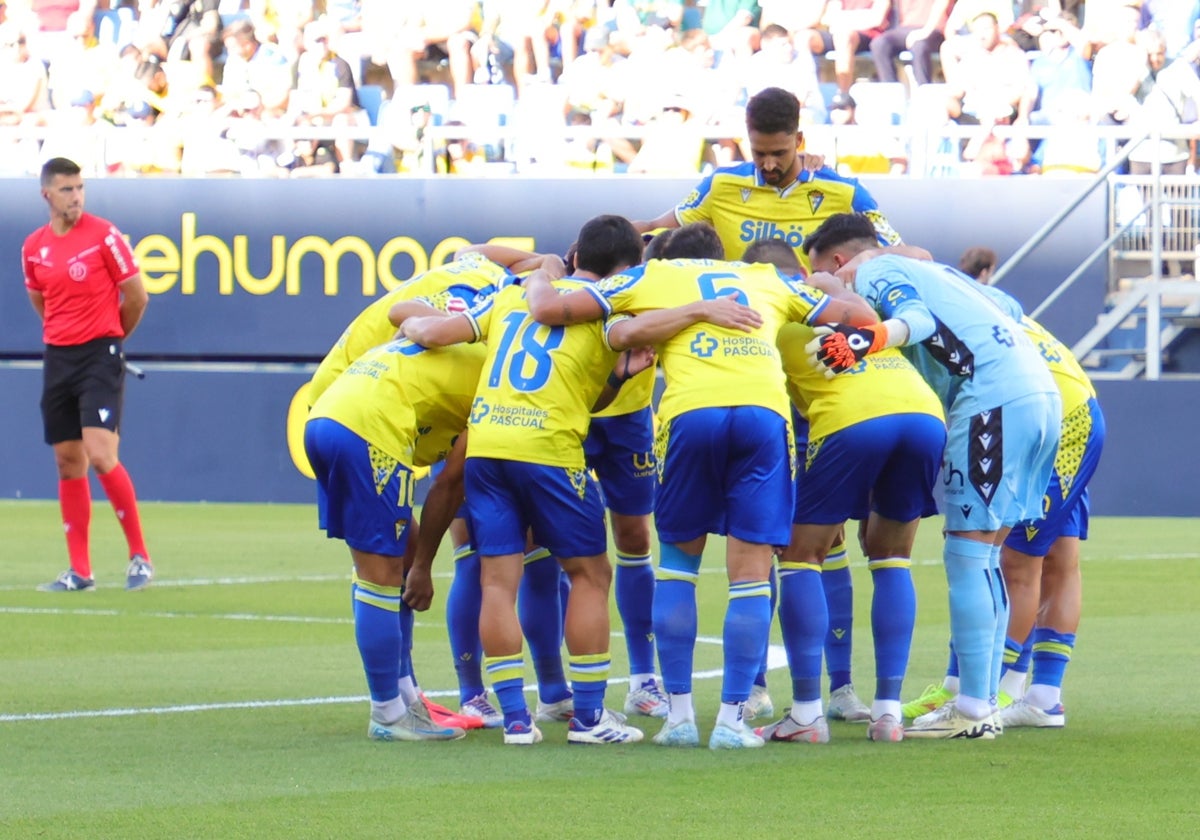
[[621, 452], [998, 462], [369, 494], [888, 465], [1065, 504], [507, 498], [725, 471]]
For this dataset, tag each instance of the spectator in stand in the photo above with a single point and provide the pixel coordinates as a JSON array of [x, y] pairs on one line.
[[513, 36], [59, 24], [246, 146], [282, 22], [992, 84], [459, 156], [574, 20], [849, 28], [863, 152], [1109, 22], [254, 66], [191, 31], [1174, 101], [1122, 76], [732, 27], [919, 29], [777, 64], [441, 31], [1059, 72], [24, 87], [72, 134], [325, 93], [1174, 19], [348, 37], [674, 146], [597, 83], [959, 38]]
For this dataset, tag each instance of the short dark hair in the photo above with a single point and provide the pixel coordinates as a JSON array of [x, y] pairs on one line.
[[772, 111], [655, 244], [775, 252], [976, 259], [606, 243], [695, 241], [58, 166], [840, 229]]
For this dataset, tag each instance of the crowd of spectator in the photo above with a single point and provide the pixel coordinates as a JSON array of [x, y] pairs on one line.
[[301, 89]]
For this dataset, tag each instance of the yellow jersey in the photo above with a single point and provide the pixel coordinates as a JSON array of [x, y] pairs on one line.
[[880, 385], [744, 209], [452, 287], [409, 401], [706, 366], [1073, 383], [538, 385]]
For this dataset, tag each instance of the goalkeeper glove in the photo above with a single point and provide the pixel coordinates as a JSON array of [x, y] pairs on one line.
[[839, 347]]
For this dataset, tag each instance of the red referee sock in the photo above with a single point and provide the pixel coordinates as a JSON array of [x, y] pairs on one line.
[[118, 486], [75, 502]]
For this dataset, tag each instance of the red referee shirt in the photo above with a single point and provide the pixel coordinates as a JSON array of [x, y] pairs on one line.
[[79, 275]]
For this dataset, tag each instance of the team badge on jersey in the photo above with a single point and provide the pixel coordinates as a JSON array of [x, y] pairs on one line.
[[815, 199], [746, 193]]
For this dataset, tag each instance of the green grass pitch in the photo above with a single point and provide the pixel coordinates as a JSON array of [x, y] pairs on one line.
[[228, 701]]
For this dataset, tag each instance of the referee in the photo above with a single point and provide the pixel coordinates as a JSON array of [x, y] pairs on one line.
[[86, 287]]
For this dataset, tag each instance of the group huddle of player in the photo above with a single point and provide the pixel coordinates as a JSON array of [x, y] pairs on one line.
[[803, 387]]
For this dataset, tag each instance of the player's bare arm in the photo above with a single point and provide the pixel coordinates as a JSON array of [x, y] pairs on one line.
[[405, 309], [666, 220], [133, 303], [652, 328], [553, 309], [629, 364], [515, 260], [439, 330], [38, 302], [441, 504]]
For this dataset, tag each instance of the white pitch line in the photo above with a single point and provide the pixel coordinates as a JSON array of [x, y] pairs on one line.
[[710, 570], [776, 658]]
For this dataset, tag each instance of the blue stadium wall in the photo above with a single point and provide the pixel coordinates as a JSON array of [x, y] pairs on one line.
[[252, 281]]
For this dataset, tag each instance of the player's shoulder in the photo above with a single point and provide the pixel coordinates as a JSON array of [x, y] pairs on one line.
[[735, 172], [826, 175], [626, 278], [35, 239]]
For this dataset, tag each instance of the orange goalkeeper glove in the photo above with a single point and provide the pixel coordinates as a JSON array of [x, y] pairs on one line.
[[839, 347]]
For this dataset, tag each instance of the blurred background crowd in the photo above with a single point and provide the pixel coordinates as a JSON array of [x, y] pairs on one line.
[[292, 88]]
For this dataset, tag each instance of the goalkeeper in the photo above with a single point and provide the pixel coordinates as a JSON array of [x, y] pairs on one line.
[[1003, 417]]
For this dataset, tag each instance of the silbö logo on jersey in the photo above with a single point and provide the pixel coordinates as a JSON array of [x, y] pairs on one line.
[[752, 230], [508, 415]]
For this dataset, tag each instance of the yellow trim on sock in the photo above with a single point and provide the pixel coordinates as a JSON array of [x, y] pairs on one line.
[[536, 554], [1053, 647], [890, 563], [789, 566], [675, 574]]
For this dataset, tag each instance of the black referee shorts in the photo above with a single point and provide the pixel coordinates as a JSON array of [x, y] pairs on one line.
[[82, 385]]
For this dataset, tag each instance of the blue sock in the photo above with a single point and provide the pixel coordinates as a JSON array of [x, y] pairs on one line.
[[589, 679], [377, 632], [1051, 655], [760, 679], [1022, 663], [804, 617], [839, 599], [634, 586], [1013, 653], [507, 676], [893, 615], [972, 613], [1000, 603], [674, 616], [541, 622], [952, 663], [747, 627], [462, 620]]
